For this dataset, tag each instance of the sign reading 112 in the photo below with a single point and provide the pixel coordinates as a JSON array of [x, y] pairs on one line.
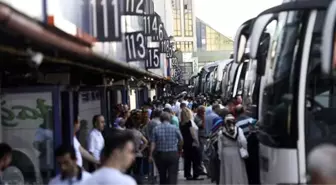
[[106, 20], [134, 7]]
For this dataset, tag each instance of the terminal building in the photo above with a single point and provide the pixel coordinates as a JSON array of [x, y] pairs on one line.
[[197, 42], [211, 44]]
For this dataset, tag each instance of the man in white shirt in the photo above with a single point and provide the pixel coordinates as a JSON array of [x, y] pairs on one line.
[[79, 150], [71, 173], [118, 155], [96, 140]]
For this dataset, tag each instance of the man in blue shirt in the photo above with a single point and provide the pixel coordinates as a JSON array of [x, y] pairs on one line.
[[166, 141], [243, 121], [210, 116]]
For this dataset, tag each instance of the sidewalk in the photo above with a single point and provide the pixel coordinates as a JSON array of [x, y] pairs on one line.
[[182, 180]]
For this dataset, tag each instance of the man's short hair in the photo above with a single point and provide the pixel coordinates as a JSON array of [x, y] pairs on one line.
[[182, 105], [215, 107], [5, 150], [64, 149], [195, 106], [169, 110], [212, 102], [117, 140], [156, 113], [223, 112], [165, 116], [95, 119]]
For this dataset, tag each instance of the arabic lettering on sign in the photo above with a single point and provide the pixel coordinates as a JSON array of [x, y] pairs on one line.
[[89, 96], [10, 115]]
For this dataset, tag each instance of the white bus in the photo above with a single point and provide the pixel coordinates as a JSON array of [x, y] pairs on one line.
[[295, 100]]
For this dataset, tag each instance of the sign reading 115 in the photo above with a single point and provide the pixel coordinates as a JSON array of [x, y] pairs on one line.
[[153, 60], [106, 20]]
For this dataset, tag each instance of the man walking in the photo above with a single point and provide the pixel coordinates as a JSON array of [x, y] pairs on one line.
[[79, 150], [71, 173], [166, 140], [96, 140], [243, 120], [117, 156]]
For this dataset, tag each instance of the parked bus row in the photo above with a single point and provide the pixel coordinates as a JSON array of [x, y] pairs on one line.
[[283, 66]]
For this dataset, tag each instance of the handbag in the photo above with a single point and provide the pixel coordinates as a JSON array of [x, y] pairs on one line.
[[242, 151]]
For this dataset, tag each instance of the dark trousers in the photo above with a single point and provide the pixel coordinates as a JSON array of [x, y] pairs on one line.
[[167, 164], [92, 167], [136, 170], [202, 141], [192, 157]]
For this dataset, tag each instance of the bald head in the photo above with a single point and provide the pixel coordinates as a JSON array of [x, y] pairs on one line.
[[321, 164]]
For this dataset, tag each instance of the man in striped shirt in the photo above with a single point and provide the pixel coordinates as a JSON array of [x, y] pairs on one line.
[[242, 120]]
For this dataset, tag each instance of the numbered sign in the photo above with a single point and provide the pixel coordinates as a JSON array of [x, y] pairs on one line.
[[153, 60], [151, 25], [135, 46], [106, 17], [173, 61], [164, 46], [170, 51], [160, 34], [134, 7]]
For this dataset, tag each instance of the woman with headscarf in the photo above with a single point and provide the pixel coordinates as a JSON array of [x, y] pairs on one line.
[[232, 150], [189, 132]]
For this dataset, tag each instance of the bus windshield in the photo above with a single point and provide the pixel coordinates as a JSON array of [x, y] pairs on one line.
[[225, 80], [320, 117], [281, 75]]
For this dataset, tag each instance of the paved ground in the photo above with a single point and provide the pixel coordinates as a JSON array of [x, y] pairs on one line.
[[181, 180]]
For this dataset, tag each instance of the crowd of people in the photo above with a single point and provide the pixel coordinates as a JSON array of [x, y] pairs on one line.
[[214, 139]]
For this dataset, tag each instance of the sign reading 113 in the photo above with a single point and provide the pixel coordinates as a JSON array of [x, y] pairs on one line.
[[135, 46]]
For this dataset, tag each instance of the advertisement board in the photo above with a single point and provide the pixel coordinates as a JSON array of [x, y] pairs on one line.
[[27, 126]]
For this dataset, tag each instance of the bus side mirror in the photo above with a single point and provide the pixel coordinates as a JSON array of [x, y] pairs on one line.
[[262, 53], [328, 49], [239, 44], [257, 31], [259, 40]]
